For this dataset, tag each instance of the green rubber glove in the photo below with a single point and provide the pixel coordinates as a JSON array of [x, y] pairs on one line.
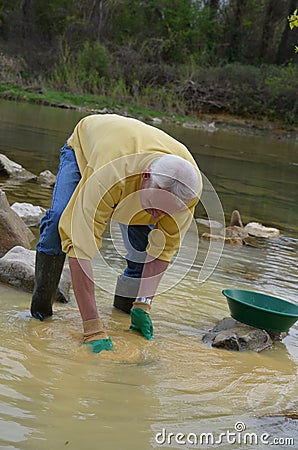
[[141, 321], [101, 344]]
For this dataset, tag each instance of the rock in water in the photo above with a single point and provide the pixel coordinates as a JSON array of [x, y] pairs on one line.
[[237, 234], [259, 230], [17, 269], [30, 214], [236, 219], [10, 168], [47, 178], [13, 230], [234, 234], [205, 225], [233, 335]]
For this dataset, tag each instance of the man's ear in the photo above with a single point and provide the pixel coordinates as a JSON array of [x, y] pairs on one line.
[[146, 174]]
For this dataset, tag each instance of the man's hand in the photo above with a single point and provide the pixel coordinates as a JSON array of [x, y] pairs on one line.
[[95, 336], [100, 345], [153, 271], [141, 322]]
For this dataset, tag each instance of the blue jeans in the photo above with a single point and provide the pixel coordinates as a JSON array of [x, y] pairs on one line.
[[67, 180], [135, 237]]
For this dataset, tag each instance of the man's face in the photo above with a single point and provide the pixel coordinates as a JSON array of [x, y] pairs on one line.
[[156, 201]]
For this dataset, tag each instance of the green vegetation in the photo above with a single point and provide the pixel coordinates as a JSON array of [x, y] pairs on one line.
[[180, 57], [82, 101], [293, 22]]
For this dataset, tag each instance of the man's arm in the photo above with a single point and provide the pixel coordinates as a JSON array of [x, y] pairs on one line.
[[83, 286], [152, 273]]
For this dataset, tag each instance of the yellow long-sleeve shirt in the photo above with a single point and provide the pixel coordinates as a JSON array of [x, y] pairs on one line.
[[112, 152]]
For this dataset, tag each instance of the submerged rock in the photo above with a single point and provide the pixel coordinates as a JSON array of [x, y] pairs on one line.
[[17, 269], [29, 213], [13, 230], [10, 168], [233, 240], [233, 335]]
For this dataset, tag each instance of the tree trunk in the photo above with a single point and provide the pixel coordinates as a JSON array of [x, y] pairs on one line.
[[26, 22], [100, 19], [274, 11], [235, 43], [285, 49], [213, 5]]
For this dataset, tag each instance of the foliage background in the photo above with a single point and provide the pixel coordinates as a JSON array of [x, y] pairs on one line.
[[186, 56]]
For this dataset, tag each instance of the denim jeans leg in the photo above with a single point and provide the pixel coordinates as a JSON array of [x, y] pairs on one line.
[[67, 179], [135, 239]]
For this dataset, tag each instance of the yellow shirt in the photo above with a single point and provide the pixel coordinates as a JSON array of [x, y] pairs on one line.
[[112, 152]]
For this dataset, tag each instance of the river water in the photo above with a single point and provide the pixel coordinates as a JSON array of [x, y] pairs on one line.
[[56, 395]]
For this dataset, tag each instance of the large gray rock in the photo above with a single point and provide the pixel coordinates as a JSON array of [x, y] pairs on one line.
[[233, 335], [29, 213], [13, 230], [10, 168], [17, 269]]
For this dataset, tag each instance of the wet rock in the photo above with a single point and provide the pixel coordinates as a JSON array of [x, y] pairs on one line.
[[233, 234], [235, 229], [238, 241], [17, 269], [156, 120], [258, 230], [205, 225], [13, 230], [46, 178], [12, 169], [29, 213], [205, 126], [237, 234], [233, 335]]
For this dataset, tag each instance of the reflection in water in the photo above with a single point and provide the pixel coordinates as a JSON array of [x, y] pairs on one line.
[[54, 394]]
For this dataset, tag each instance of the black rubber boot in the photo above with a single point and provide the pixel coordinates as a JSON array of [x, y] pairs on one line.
[[126, 292], [48, 269], [123, 303]]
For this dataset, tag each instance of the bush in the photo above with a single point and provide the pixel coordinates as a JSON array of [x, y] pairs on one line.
[[93, 58], [11, 69], [268, 91], [260, 92], [84, 72]]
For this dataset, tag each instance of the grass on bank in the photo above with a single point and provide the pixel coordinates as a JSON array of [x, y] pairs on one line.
[[138, 108], [85, 102]]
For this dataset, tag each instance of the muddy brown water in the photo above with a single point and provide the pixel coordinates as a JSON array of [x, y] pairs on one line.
[[173, 391]]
